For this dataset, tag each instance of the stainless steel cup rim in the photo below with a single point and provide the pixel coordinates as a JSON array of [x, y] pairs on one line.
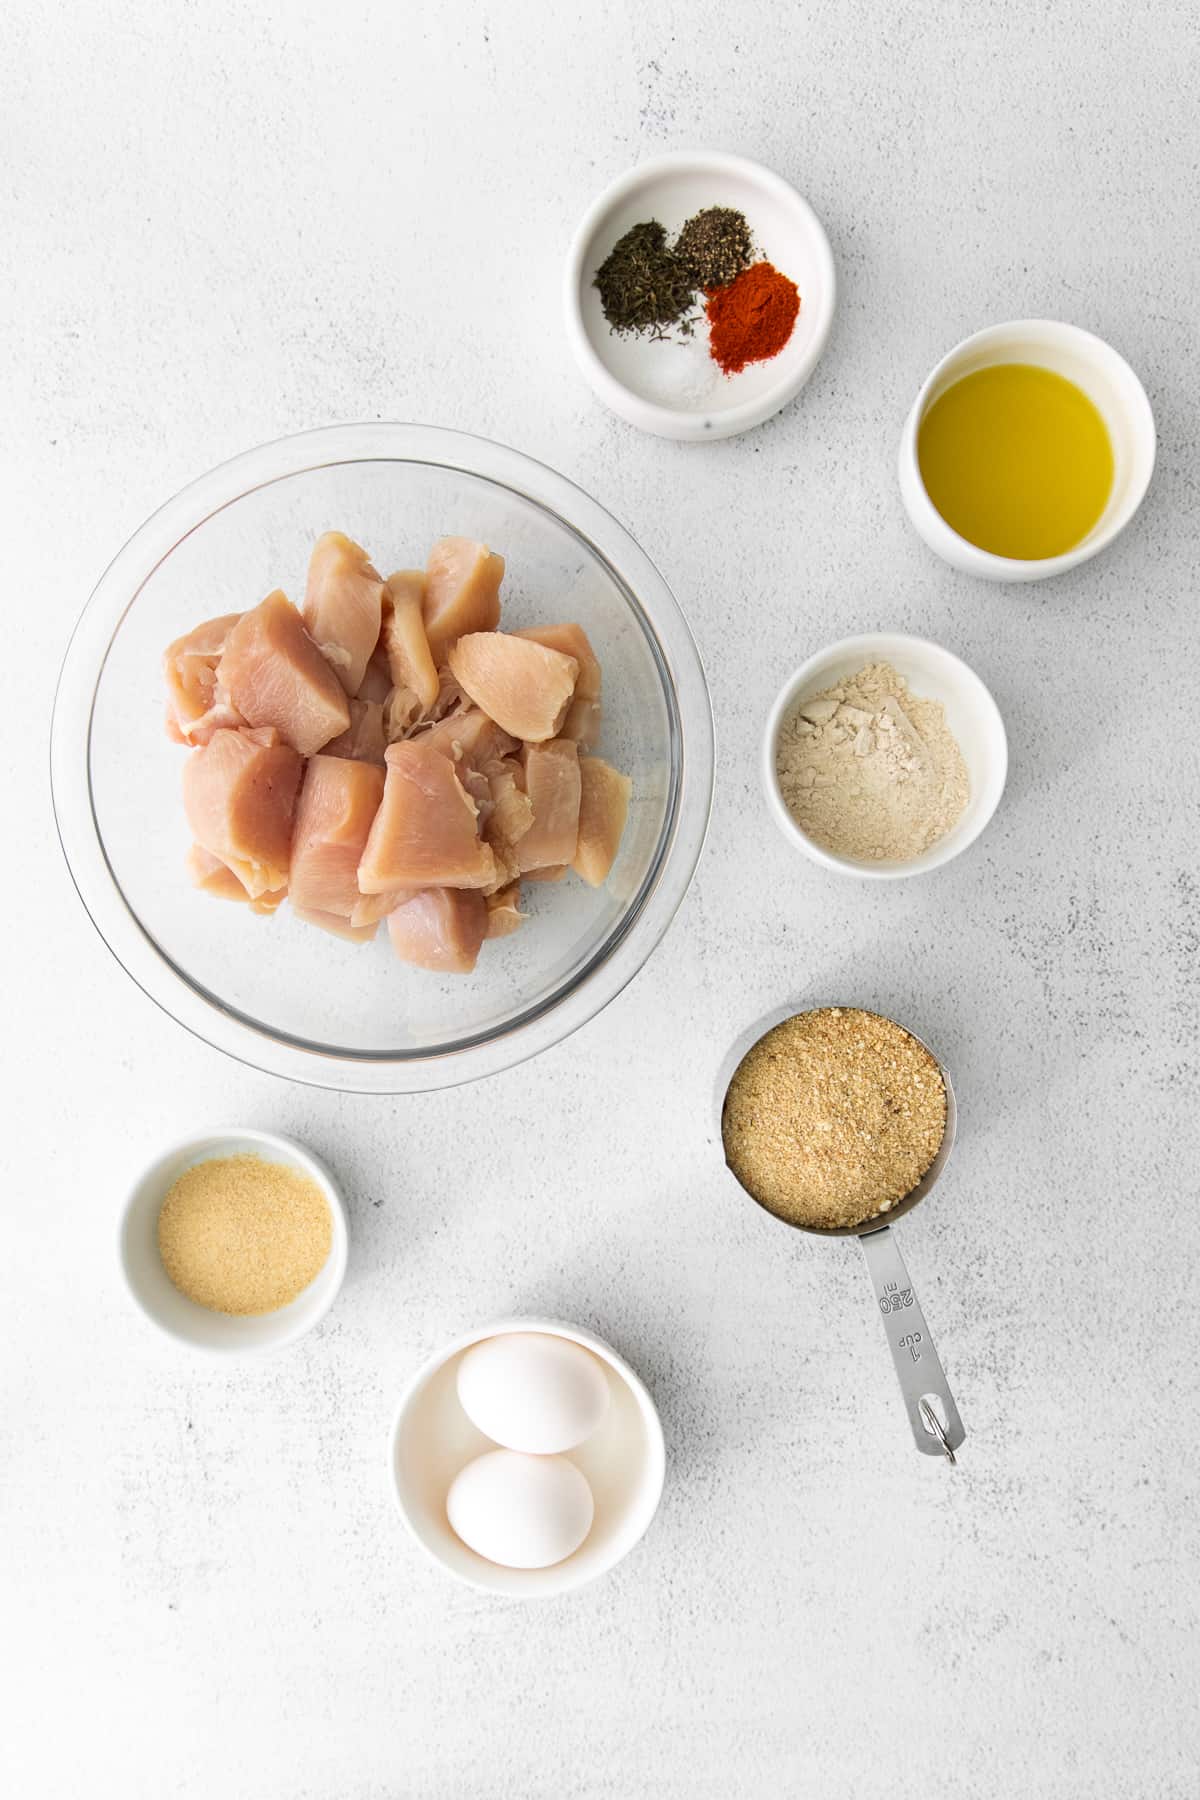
[[777, 1016]]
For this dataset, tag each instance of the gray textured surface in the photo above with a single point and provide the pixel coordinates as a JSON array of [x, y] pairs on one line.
[[227, 222]]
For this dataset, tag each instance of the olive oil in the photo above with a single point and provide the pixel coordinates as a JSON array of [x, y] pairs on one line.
[[1017, 460]]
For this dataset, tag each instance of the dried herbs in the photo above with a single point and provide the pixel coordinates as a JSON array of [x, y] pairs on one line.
[[654, 288], [644, 286], [650, 286]]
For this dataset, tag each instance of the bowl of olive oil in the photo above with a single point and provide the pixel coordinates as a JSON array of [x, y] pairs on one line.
[[1028, 449]]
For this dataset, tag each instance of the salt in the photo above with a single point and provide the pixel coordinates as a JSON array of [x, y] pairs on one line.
[[680, 373]]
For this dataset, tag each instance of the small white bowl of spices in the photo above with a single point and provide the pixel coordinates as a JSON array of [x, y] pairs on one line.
[[235, 1242], [698, 295], [883, 755]]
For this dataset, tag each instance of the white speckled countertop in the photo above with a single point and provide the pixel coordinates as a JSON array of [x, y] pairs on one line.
[[230, 221]]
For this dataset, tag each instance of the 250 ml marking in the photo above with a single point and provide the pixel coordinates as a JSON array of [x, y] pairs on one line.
[[894, 1299]]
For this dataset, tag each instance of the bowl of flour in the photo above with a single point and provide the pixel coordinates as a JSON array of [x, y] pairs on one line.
[[884, 755]]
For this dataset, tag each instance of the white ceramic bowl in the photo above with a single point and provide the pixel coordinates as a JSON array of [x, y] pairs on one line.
[[635, 376], [181, 1319], [624, 1462], [933, 674], [1113, 389]]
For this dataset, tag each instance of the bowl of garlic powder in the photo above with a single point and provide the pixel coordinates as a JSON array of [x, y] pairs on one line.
[[883, 755], [235, 1242]]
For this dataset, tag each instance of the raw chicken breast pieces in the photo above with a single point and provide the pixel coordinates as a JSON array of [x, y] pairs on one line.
[[343, 606], [524, 686], [603, 806], [364, 741], [239, 793], [504, 915], [214, 877], [584, 715], [402, 637], [275, 675], [426, 831], [440, 929], [389, 753], [335, 925], [338, 804], [197, 705], [462, 592], [552, 785]]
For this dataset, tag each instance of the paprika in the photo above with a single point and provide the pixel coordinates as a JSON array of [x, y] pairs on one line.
[[751, 319]]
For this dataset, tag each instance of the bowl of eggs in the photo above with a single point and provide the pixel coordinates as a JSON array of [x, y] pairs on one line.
[[527, 1458]]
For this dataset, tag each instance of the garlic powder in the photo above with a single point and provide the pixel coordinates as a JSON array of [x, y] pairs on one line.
[[870, 771]]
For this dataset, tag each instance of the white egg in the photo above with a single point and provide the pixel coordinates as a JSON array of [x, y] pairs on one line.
[[530, 1391], [525, 1512]]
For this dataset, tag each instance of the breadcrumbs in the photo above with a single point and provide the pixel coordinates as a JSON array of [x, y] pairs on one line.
[[833, 1117], [239, 1234]]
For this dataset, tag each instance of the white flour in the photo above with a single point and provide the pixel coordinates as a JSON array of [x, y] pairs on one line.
[[870, 771]]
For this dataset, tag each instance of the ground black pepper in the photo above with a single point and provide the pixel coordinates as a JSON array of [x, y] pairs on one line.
[[715, 245]]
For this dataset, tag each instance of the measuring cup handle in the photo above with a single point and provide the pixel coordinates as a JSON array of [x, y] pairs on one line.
[[932, 1414]]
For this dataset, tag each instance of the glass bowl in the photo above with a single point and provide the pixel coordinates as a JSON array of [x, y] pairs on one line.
[[277, 993]]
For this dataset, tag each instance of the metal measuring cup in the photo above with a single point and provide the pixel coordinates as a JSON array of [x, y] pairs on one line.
[[932, 1414]]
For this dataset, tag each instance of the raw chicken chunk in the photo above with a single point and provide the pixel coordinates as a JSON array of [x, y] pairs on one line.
[[389, 753], [479, 792], [239, 793], [214, 877], [553, 788], [523, 686], [364, 741], [342, 606], [462, 592], [440, 929], [336, 925], [583, 722], [376, 684], [603, 806], [370, 908], [468, 737], [570, 640], [509, 816], [403, 639], [584, 714], [450, 699], [504, 915], [400, 714], [196, 704], [338, 803], [426, 832], [275, 675]]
